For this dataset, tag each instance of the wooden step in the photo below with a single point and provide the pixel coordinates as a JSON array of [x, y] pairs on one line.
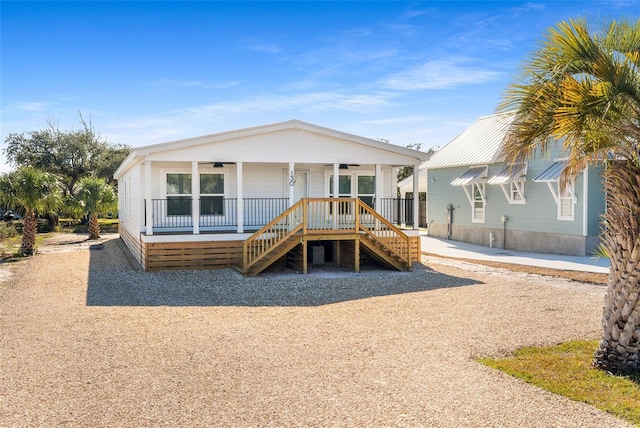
[[272, 256]]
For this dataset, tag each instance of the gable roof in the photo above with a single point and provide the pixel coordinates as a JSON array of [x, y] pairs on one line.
[[479, 144], [141, 152]]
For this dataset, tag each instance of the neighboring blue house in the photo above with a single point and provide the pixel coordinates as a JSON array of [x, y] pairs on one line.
[[473, 196]]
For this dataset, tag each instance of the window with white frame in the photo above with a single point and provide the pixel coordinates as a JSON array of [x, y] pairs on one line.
[[516, 194], [366, 190], [511, 180], [212, 194], [478, 203], [178, 194], [566, 201], [344, 191]]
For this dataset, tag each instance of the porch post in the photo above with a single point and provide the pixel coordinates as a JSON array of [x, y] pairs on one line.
[[336, 193], [239, 198], [195, 197], [292, 189], [147, 197], [378, 189], [336, 180], [416, 199]]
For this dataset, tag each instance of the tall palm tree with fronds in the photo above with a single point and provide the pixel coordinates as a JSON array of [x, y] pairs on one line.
[[97, 197], [582, 88], [31, 192]]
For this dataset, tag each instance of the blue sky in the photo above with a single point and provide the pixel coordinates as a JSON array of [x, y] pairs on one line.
[[148, 72]]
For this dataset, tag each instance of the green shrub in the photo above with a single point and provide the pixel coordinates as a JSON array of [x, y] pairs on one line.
[[7, 230]]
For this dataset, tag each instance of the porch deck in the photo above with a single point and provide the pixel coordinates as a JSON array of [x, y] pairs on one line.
[[349, 223]]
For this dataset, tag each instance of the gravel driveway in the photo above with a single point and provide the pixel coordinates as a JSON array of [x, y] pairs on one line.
[[88, 339]]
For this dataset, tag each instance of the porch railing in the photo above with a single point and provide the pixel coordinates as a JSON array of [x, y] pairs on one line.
[[172, 213], [175, 213], [260, 211], [215, 212], [398, 211]]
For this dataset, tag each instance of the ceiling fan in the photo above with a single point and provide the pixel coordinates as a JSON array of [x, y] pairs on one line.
[[344, 165], [221, 164]]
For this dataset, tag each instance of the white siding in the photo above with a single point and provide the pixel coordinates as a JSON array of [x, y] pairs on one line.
[[130, 201], [262, 180], [290, 145]]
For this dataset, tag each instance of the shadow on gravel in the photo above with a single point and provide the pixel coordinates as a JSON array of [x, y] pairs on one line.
[[116, 279]]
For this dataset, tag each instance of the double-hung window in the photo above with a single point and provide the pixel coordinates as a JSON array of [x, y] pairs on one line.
[[566, 206], [344, 191], [212, 194], [367, 189], [178, 194], [516, 192], [563, 193], [478, 203]]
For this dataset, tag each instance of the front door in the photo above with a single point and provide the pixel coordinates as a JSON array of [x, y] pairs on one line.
[[300, 185]]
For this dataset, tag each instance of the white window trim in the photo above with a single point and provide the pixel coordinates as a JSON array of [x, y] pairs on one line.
[[224, 190], [355, 186], [469, 191], [554, 187], [353, 192], [517, 186], [165, 171], [472, 200], [165, 195], [572, 200]]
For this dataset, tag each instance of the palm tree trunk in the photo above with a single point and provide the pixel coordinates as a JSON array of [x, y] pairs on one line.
[[94, 227], [618, 352], [29, 231]]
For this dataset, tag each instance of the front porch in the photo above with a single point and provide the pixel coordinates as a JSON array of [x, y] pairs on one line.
[[353, 230]]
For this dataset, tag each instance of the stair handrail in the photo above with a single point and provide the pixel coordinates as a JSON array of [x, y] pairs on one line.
[[271, 235], [394, 239]]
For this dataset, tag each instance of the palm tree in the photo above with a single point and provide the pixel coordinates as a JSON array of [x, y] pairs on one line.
[[97, 197], [582, 88], [30, 191]]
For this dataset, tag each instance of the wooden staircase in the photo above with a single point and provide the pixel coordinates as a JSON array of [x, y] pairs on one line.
[[272, 256], [377, 251], [327, 219]]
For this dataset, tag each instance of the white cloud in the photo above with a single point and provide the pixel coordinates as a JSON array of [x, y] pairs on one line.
[[31, 106], [307, 101], [443, 73], [265, 47], [395, 120]]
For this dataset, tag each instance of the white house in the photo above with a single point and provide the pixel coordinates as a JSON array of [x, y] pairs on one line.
[[473, 196], [250, 197]]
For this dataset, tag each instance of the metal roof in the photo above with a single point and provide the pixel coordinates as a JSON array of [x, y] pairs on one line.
[[552, 173], [510, 173], [480, 143], [473, 175]]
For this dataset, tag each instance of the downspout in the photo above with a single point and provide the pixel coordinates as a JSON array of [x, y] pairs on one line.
[[147, 197]]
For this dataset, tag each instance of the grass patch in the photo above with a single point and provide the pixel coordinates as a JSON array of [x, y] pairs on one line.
[[10, 247], [107, 225], [567, 370]]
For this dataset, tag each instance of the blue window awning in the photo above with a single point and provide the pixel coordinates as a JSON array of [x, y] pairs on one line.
[[508, 174], [551, 174], [473, 175]]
